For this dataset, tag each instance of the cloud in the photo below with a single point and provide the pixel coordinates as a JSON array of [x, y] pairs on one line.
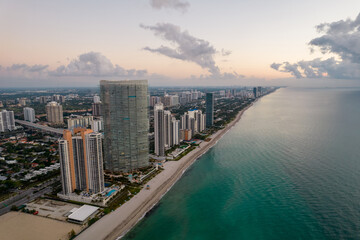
[[287, 67], [188, 48], [275, 66], [23, 70], [174, 4], [225, 52], [88, 64], [89, 68], [191, 49], [19, 75], [342, 39], [97, 65], [37, 68]]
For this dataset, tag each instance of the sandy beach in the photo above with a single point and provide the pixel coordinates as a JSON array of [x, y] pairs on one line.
[[125, 217], [18, 225]]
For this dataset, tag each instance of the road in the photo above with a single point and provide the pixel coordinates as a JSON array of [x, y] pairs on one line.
[[58, 131], [26, 196]]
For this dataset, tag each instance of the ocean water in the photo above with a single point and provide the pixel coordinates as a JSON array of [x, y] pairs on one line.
[[290, 169]]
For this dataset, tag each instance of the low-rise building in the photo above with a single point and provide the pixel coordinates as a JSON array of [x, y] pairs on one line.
[[82, 214]]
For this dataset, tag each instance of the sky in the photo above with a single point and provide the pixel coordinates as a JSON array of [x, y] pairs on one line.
[[180, 42]]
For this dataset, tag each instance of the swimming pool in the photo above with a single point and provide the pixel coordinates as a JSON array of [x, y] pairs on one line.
[[110, 192]]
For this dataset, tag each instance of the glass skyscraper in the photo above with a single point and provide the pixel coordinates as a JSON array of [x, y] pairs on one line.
[[209, 109], [126, 124]]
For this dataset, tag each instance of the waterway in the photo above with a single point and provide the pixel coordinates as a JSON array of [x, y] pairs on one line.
[[290, 169]]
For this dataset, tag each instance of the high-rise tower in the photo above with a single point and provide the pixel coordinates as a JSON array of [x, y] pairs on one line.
[[167, 128], [96, 106], [94, 159], [209, 109], [54, 113], [7, 121], [159, 129], [29, 114], [126, 124], [81, 161], [175, 131]]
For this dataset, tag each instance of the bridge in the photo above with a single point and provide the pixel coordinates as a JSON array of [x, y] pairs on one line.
[[57, 131]]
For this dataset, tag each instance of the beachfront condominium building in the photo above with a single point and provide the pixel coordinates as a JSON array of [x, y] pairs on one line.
[[126, 125], [199, 120], [7, 121], [193, 120], [54, 113], [94, 159], [67, 172], [29, 114], [209, 109], [185, 134], [184, 121], [159, 129], [81, 161], [255, 92], [175, 132], [196, 121], [166, 130]]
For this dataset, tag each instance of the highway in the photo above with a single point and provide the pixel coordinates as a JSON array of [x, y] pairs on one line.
[[26, 196], [58, 131]]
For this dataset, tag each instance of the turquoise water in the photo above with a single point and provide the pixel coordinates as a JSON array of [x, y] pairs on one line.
[[110, 192], [289, 170]]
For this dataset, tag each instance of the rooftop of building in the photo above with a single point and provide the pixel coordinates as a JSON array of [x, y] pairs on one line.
[[82, 213], [125, 82]]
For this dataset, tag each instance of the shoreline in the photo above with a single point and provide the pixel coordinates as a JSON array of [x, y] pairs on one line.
[[116, 224]]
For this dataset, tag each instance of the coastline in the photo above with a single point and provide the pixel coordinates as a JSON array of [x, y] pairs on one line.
[[116, 224]]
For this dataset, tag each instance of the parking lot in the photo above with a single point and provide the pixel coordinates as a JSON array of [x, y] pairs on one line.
[[52, 209]]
